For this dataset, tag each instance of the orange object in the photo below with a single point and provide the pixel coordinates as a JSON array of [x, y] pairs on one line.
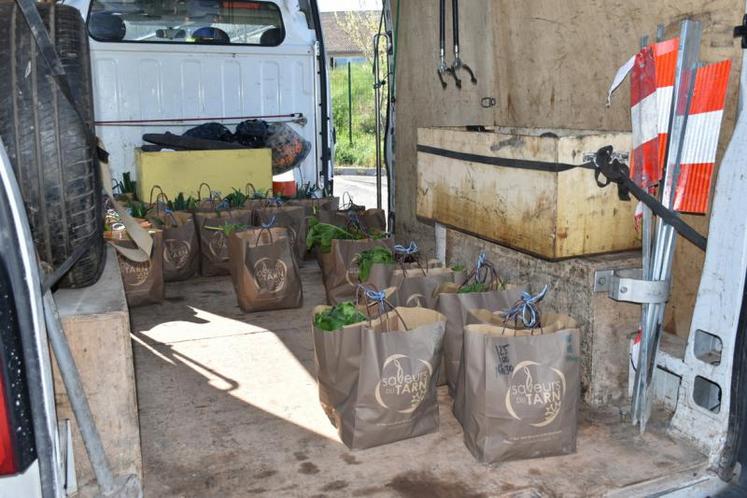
[[285, 189]]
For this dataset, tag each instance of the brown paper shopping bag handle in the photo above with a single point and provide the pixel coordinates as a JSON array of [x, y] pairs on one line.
[[484, 272], [265, 229], [371, 296], [138, 234]]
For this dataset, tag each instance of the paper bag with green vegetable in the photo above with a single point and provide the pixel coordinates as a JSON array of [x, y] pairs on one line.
[[213, 228], [337, 249], [394, 395], [337, 348], [371, 220], [181, 249], [263, 269], [340, 266], [481, 289], [522, 387], [290, 217]]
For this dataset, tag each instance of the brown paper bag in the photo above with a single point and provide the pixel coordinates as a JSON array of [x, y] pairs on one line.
[[181, 248], [394, 395], [337, 358], [339, 271], [263, 270], [370, 220], [290, 217], [521, 391], [313, 206], [454, 306], [213, 241], [143, 282]]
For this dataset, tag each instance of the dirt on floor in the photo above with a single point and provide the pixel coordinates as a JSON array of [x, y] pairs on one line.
[[229, 408]]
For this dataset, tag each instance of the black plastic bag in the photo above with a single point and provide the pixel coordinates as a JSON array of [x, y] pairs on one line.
[[210, 131], [252, 133]]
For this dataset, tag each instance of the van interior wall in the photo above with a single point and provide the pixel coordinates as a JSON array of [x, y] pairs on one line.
[[549, 65]]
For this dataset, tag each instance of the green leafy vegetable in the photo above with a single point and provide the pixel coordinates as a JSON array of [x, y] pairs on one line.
[[139, 209], [236, 199], [180, 203], [458, 267], [367, 258], [338, 317], [322, 234], [474, 287]]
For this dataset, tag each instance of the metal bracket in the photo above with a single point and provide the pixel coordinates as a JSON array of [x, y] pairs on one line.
[[627, 285], [602, 280]]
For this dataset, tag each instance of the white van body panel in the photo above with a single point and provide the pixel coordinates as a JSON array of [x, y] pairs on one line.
[[150, 81]]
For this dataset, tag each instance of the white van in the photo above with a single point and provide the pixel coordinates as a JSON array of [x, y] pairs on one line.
[[174, 64]]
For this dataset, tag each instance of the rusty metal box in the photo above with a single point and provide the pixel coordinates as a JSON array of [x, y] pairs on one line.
[[520, 188]]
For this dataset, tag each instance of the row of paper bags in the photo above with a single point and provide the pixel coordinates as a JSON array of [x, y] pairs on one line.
[[516, 391], [192, 242]]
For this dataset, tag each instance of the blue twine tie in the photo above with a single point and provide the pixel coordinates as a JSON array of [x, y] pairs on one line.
[[479, 264], [409, 250], [526, 309], [270, 223], [223, 205], [480, 261], [168, 211], [375, 296]]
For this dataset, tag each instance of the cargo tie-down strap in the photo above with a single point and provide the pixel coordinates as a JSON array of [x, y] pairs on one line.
[[553, 167], [604, 165], [141, 237]]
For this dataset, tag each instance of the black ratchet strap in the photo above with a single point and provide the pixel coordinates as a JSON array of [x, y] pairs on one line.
[[614, 171]]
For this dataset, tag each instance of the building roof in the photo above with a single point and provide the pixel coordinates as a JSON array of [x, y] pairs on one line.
[[337, 40]]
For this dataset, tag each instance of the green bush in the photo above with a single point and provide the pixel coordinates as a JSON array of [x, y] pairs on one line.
[[362, 151]]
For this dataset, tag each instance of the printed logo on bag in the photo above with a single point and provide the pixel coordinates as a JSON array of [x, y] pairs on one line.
[[415, 300], [351, 274], [217, 245], [176, 252], [271, 274], [535, 393], [404, 383], [135, 274]]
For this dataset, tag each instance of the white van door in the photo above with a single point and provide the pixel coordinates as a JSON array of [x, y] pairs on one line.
[[169, 65]]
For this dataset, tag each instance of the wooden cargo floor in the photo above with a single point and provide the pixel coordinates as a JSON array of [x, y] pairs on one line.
[[228, 407]]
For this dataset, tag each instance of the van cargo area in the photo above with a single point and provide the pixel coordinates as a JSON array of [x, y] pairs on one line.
[[424, 249], [229, 407]]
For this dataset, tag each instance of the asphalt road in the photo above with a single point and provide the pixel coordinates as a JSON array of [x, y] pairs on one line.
[[362, 189]]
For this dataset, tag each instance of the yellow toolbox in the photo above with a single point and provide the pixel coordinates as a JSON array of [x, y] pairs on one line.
[[184, 171]]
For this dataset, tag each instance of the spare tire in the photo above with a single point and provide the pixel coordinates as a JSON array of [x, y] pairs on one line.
[[46, 140]]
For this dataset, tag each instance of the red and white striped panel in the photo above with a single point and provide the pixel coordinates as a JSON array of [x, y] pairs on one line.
[[701, 138], [665, 54], [644, 112]]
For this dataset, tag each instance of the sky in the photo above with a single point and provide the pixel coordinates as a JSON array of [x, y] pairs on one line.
[[330, 5]]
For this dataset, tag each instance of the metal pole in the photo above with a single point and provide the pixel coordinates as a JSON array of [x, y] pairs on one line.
[[350, 104], [687, 60], [377, 111]]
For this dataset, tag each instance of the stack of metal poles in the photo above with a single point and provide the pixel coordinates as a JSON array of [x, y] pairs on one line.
[[658, 245]]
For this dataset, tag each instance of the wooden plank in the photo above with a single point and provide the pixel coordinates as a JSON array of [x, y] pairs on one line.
[[97, 326]]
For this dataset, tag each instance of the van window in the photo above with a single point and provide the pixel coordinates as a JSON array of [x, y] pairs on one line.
[[238, 22]]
